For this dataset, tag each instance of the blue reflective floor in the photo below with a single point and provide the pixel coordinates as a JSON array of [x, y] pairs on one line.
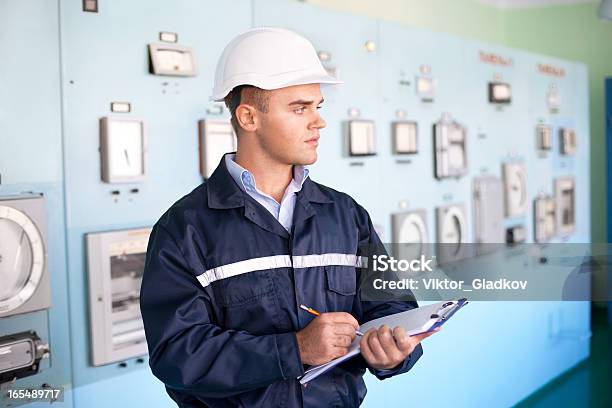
[[590, 383]]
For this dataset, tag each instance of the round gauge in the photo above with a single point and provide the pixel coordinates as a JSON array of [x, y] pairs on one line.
[[518, 195], [453, 229], [412, 236], [413, 230], [22, 257]]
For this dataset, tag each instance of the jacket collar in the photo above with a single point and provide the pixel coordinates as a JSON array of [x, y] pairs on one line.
[[224, 193], [222, 190]]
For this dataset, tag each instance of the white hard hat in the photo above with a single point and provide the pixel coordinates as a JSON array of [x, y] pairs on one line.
[[268, 58]]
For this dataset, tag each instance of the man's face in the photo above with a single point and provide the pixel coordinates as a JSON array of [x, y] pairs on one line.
[[289, 131]]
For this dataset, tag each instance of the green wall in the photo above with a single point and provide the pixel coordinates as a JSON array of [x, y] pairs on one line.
[[566, 31]]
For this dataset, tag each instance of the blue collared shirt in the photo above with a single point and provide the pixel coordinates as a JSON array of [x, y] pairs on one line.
[[283, 212]]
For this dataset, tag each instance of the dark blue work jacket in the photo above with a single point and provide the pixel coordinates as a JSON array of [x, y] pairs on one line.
[[221, 291]]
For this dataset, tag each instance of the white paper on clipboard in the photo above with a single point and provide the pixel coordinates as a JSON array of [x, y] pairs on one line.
[[414, 321]]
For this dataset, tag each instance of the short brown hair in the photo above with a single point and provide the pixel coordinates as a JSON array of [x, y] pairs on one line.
[[249, 94]]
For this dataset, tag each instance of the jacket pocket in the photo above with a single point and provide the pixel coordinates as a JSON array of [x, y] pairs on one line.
[[341, 288], [341, 279], [248, 302]]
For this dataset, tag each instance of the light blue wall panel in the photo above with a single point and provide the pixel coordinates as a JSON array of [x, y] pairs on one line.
[[402, 52], [31, 160], [129, 389], [29, 88]]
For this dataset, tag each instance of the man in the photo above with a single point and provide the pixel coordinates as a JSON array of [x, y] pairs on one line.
[[229, 264]]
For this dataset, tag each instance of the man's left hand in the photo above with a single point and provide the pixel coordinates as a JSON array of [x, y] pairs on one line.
[[384, 350]]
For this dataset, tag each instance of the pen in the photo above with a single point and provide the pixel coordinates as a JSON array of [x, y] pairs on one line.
[[314, 312]]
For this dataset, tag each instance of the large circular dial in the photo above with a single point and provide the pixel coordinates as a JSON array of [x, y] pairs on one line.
[[517, 190], [22, 258], [413, 230], [453, 229], [412, 237]]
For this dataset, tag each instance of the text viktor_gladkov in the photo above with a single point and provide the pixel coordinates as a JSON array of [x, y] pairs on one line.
[[446, 284]]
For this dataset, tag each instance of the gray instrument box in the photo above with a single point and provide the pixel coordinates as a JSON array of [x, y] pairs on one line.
[[115, 266], [23, 255], [488, 210]]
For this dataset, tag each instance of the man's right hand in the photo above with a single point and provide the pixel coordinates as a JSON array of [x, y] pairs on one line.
[[327, 337]]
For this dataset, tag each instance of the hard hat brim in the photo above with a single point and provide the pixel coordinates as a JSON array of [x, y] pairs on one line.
[[281, 83]]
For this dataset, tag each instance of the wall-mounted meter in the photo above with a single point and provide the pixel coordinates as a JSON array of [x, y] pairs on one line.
[[565, 197], [500, 93], [488, 210], [544, 137], [544, 219], [24, 276], [425, 88], [451, 229], [216, 137], [172, 59], [567, 141], [553, 99], [115, 266], [409, 230], [515, 188], [122, 150], [405, 137], [450, 149], [362, 139], [410, 227]]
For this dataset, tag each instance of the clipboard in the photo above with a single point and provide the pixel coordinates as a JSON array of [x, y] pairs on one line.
[[414, 321], [440, 316]]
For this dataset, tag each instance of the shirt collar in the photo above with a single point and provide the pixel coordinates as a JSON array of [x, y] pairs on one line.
[[222, 192], [245, 178]]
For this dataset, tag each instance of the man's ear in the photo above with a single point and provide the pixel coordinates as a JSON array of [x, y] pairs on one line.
[[246, 117]]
